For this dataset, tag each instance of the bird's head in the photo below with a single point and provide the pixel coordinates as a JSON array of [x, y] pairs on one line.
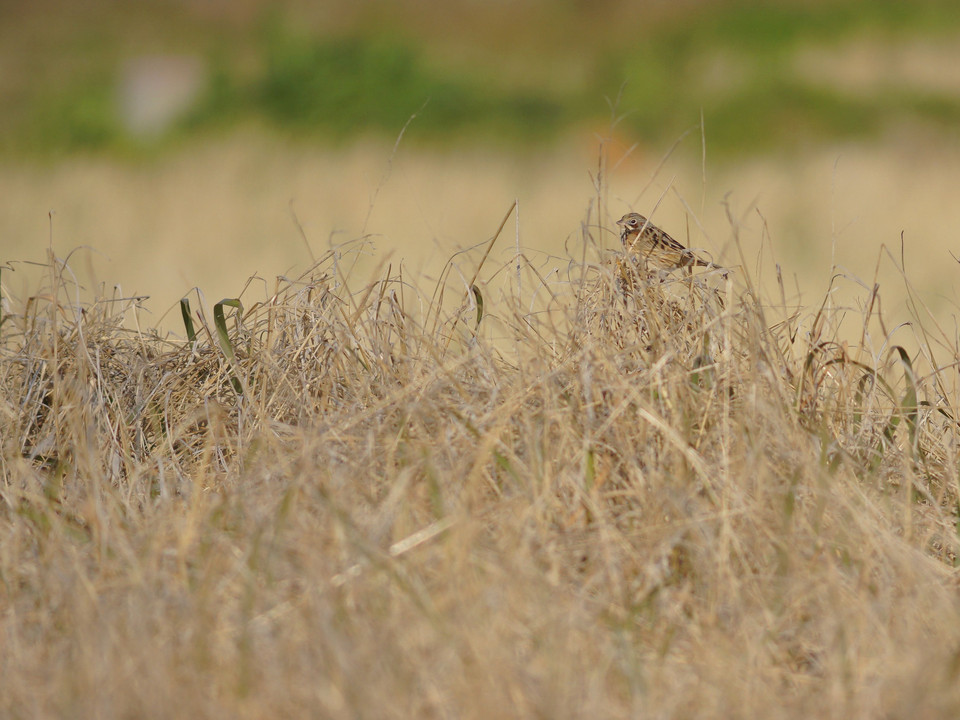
[[632, 221]]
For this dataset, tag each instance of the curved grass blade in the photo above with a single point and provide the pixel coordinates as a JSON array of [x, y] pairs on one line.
[[479, 299], [224, 338], [864, 387], [486, 253], [908, 406], [188, 321]]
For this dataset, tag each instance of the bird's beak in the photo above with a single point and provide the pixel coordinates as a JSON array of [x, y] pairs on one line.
[[621, 223]]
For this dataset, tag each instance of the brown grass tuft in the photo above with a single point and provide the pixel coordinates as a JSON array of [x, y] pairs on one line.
[[620, 494]]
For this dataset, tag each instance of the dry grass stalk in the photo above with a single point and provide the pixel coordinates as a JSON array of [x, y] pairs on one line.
[[626, 498]]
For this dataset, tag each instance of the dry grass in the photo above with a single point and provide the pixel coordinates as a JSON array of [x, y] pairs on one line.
[[619, 495], [213, 214]]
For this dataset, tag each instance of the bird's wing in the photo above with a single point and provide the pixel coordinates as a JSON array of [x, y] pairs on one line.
[[660, 237]]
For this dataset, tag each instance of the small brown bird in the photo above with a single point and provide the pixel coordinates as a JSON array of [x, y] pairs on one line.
[[642, 238]]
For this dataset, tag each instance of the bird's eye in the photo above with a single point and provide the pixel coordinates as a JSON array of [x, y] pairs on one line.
[[633, 222]]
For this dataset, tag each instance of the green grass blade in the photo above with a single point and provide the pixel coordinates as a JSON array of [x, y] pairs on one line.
[[223, 336], [479, 298], [188, 321], [908, 405], [864, 386]]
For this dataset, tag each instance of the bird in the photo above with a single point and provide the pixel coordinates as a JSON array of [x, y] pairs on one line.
[[643, 239]]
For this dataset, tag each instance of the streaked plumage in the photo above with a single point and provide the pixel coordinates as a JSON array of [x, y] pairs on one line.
[[643, 239]]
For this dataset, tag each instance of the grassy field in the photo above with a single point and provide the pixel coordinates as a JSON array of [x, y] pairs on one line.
[[597, 492], [808, 71], [419, 463]]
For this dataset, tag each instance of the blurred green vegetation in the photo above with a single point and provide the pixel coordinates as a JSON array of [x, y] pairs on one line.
[[341, 86], [761, 101], [736, 61]]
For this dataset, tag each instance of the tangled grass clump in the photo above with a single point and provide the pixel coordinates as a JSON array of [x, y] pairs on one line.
[[621, 494]]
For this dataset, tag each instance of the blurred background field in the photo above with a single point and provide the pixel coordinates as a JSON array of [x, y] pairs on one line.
[[177, 141]]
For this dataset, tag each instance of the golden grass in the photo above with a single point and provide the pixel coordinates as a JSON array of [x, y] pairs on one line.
[[213, 214], [616, 495]]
